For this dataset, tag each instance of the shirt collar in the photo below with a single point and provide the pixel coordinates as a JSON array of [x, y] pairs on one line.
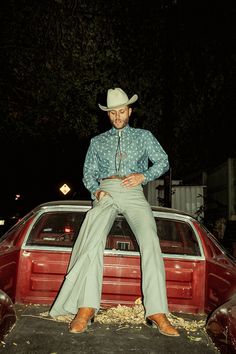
[[125, 130]]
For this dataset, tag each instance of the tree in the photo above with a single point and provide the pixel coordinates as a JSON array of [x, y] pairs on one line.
[[59, 57]]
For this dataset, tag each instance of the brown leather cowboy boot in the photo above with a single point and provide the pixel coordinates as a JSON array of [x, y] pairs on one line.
[[82, 320], [164, 326]]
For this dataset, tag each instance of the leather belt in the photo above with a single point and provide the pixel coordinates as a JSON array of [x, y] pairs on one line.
[[114, 177]]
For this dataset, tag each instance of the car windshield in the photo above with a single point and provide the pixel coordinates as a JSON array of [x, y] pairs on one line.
[[62, 228], [57, 228]]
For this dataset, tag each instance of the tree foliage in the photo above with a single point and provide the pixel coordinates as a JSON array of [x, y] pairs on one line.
[[58, 58]]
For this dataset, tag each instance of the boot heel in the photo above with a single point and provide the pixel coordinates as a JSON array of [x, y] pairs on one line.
[[90, 321], [150, 323]]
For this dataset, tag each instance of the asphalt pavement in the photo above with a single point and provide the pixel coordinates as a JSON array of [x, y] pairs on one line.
[[33, 333]]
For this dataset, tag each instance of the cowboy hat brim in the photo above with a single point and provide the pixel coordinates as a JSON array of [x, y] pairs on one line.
[[130, 101]]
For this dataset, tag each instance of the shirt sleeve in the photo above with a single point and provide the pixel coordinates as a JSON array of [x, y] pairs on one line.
[[158, 158], [90, 170]]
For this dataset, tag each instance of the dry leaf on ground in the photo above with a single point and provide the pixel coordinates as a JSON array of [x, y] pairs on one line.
[[134, 315]]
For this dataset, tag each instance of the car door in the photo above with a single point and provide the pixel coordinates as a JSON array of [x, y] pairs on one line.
[[8, 268], [220, 272], [10, 244]]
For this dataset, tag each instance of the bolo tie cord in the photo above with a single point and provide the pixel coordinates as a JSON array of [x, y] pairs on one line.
[[118, 154]]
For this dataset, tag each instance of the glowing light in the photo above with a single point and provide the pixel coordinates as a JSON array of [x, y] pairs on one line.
[[65, 189]]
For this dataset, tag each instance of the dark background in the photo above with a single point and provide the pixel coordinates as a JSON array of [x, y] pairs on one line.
[[58, 58]]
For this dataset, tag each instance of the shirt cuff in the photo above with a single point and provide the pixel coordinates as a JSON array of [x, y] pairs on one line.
[[145, 181]]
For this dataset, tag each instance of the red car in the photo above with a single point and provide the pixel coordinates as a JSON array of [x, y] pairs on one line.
[[221, 326], [35, 252], [7, 315]]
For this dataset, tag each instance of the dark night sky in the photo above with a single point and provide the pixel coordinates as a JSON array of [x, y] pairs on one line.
[[38, 171]]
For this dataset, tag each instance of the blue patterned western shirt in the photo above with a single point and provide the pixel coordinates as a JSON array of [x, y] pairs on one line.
[[107, 156]]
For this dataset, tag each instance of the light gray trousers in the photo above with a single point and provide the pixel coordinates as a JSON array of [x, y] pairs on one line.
[[83, 283]]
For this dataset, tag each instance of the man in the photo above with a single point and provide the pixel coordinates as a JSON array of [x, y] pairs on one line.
[[116, 166]]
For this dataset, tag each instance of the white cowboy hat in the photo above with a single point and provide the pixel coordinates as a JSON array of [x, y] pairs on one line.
[[117, 98]]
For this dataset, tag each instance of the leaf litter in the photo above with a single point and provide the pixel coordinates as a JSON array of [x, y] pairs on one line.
[[134, 316]]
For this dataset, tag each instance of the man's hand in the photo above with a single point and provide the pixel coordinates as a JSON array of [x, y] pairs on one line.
[[99, 194], [133, 180]]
